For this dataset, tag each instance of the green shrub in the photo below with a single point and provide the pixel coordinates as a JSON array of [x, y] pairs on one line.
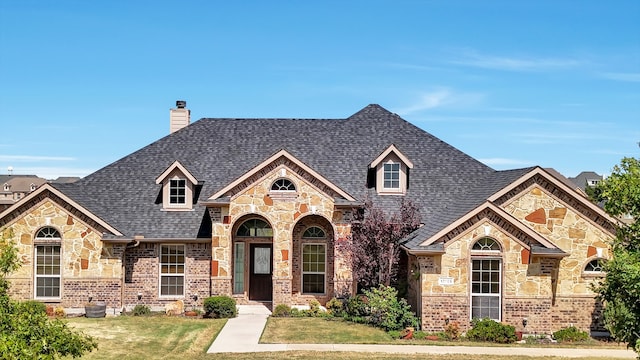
[[492, 331], [141, 310], [295, 312], [282, 310], [33, 307], [570, 334], [221, 307], [334, 307], [356, 307], [387, 311], [314, 309], [419, 334]]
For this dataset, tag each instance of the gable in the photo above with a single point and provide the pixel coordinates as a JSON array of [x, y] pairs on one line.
[[279, 160], [47, 192]]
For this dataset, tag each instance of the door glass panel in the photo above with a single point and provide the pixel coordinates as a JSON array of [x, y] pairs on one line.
[[262, 260], [238, 269]]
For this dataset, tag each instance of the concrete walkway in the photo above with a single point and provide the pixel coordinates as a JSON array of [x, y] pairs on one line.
[[242, 334]]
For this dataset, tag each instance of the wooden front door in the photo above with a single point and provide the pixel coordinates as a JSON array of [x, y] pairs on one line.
[[260, 281]]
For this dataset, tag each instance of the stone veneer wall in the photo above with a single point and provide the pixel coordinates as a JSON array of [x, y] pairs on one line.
[[550, 293], [282, 211], [142, 275], [89, 267]]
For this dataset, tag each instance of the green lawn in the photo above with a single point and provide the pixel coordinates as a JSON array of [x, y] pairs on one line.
[[161, 337]]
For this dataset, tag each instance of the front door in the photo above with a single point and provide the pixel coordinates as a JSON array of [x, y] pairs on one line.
[[260, 281]]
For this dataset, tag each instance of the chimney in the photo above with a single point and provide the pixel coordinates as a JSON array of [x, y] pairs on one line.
[[179, 117]]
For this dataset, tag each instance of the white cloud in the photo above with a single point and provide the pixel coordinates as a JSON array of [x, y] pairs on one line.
[[474, 59], [52, 172], [505, 162], [440, 98], [32, 158], [631, 77]]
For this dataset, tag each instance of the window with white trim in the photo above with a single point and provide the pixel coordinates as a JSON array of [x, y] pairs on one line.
[[594, 266], [486, 280], [172, 266], [313, 268], [47, 264], [283, 185], [391, 173], [177, 192]]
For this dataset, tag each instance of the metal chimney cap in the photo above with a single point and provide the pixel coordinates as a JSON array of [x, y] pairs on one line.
[[181, 104]]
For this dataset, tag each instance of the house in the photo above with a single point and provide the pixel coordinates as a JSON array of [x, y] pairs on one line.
[[15, 187], [586, 179], [255, 208]]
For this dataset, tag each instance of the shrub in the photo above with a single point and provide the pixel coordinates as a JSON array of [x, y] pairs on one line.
[[314, 309], [282, 310], [59, 312], [570, 334], [141, 310], [356, 307], [220, 307], [334, 307], [387, 311], [492, 331], [452, 330]]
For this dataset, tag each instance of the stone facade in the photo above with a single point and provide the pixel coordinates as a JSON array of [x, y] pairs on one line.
[[88, 266], [550, 292], [288, 214]]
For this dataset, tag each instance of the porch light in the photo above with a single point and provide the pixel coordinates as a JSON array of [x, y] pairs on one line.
[[139, 296], [524, 322]]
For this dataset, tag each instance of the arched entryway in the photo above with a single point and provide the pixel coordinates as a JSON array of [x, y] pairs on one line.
[[253, 258]]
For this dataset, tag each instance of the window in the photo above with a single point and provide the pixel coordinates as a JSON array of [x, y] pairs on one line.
[[32, 187], [255, 228], [47, 264], [177, 192], [172, 270], [313, 268], [486, 244], [313, 232], [594, 266], [486, 280], [238, 268], [283, 185], [485, 289], [391, 175]]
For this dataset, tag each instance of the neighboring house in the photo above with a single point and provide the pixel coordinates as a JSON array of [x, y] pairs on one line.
[[15, 187], [586, 179], [255, 208]]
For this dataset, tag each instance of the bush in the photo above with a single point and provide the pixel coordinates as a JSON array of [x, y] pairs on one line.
[[282, 310], [492, 331], [334, 307], [220, 307], [141, 310], [387, 311], [356, 307], [452, 330], [59, 312], [570, 334]]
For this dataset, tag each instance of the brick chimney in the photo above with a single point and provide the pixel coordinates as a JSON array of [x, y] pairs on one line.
[[179, 117]]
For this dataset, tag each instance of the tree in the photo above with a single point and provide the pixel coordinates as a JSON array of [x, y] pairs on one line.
[[25, 330], [620, 289], [374, 246]]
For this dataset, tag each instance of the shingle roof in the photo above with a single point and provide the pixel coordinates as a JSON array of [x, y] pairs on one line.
[[218, 151]]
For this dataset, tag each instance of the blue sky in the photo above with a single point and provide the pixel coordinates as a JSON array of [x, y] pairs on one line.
[[512, 83]]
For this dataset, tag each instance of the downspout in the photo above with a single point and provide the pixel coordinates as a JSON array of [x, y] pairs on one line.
[[131, 245]]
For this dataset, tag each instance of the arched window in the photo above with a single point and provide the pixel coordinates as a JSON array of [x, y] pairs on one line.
[[47, 264], [594, 266], [486, 244], [283, 185], [255, 228], [48, 233], [314, 232], [486, 280]]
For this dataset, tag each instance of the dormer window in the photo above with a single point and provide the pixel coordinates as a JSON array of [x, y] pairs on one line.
[[7, 187], [391, 175], [178, 188], [177, 191], [32, 187], [389, 172]]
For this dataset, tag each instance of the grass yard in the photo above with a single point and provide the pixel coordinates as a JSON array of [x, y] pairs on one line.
[[160, 337], [149, 337], [337, 331]]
